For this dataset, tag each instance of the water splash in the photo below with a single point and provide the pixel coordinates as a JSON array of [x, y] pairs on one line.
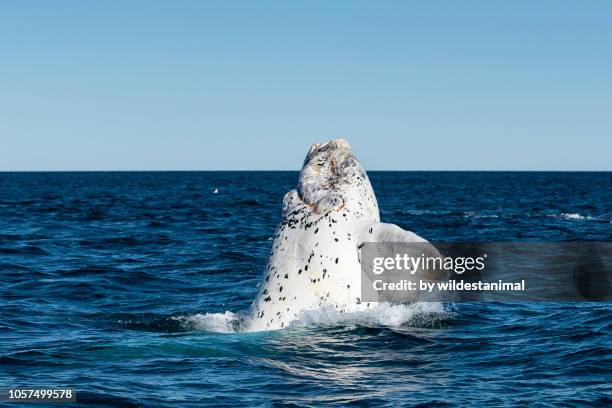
[[383, 315]]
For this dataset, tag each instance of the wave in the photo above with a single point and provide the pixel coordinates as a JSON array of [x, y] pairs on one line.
[[476, 214], [422, 314], [24, 250], [563, 216], [572, 216]]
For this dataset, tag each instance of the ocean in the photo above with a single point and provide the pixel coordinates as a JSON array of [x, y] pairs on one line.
[[126, 286]]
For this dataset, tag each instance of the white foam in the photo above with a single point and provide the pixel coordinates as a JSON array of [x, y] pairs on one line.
[[227, 322], [383, 314], [571, 216]]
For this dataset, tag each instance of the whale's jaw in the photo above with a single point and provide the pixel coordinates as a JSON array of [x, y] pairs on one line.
[[332, 177]]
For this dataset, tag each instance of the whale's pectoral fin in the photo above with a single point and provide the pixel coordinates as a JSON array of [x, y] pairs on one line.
[[388, 240], [383, 232]]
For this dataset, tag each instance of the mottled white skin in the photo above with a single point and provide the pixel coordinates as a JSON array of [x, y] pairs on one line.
[[314, 259]]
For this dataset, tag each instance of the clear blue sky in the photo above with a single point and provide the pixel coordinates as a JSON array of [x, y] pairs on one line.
[[523, 85]]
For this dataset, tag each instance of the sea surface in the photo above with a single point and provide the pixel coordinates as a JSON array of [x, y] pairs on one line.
[[126, 287]]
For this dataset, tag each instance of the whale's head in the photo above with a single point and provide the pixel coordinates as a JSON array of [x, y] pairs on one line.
[[332, 179]]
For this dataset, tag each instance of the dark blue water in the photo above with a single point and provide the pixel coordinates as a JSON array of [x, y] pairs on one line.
[[118, 284]]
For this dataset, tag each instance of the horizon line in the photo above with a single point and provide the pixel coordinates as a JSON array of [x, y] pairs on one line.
[[298, 170]]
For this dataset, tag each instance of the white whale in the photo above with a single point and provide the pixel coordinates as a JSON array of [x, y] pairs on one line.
[[315, 256]]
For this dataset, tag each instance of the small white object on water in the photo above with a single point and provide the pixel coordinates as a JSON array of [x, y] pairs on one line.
[[215, 191]]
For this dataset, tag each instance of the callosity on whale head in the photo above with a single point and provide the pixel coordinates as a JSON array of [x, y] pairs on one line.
[[314, 260], [332, 178]]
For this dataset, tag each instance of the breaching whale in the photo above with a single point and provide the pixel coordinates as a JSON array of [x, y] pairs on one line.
[[314, 260]]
